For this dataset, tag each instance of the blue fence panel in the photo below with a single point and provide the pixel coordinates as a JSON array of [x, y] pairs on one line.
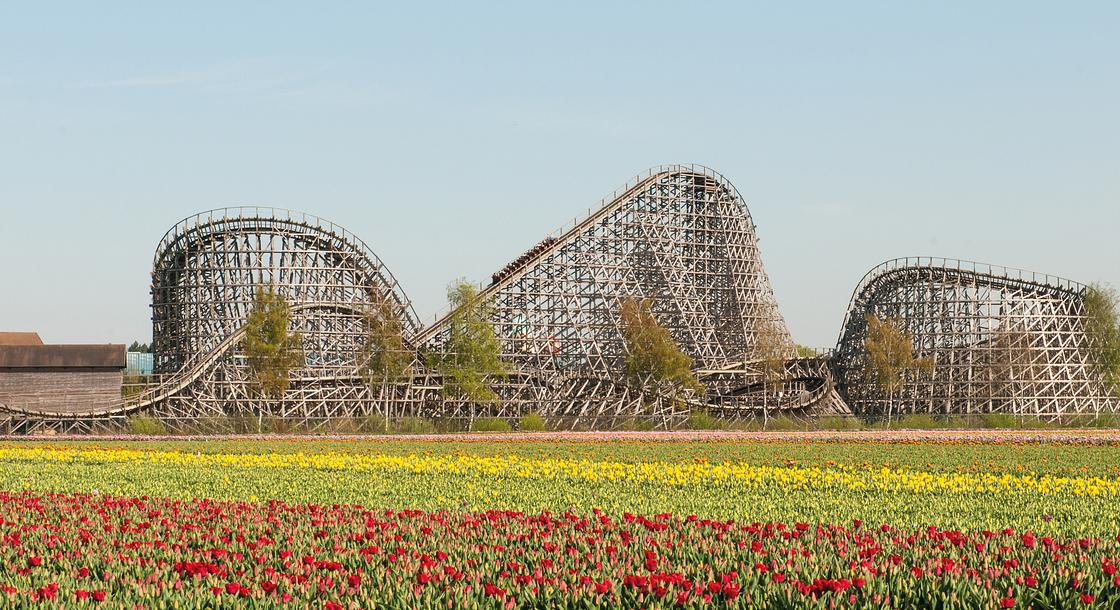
[[137, 363]]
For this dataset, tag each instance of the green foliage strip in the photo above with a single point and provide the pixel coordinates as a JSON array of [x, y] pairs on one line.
[[651, 352], [271, 350], [473, 353]]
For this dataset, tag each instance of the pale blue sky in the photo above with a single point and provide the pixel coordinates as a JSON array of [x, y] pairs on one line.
[[452, 137]]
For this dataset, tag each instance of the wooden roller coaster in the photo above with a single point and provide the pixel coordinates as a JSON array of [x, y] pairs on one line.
[[999, 340], [680, 236]]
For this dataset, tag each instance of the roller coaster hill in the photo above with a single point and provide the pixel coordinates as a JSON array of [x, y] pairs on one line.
[[678, 237]]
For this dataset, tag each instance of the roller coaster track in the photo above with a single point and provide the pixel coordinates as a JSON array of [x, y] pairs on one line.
[[814, 373], [564, 236], [995, 339], [190, 372], [194, 228], [201, 234], [945, 270], [668, 213], [679, 235]]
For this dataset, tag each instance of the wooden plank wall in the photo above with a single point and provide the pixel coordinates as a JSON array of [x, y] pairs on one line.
[[59, 391]]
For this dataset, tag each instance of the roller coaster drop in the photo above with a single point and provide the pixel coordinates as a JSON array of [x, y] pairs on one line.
[[1000, 340]]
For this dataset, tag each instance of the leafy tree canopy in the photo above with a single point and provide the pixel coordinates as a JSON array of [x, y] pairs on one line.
[[651, 353], [890, 353], [272, 351], [773, 346], [804, 351], [473, 353], [386, 358], [1102, 326]]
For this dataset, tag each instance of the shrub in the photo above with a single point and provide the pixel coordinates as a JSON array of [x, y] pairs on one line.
[[998, 420], [918, 421], [342, 425], [783, 423], [317, 426], [579, 425], [374, 424], [702, 420], [491, 424], [451, 425], [276, 425], [532, 422], [414, 425], [836, 422], [146, 425], [1038, 423], [636, 424], [1106, 420], [1090, 420], [244, 424], [749, 424]]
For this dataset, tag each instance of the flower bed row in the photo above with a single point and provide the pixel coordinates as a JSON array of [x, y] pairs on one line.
[[736, 474], [97, 551]]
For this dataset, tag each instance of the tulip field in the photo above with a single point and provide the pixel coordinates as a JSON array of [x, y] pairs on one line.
[[578, 521]]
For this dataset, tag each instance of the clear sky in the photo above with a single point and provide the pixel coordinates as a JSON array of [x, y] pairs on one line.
[[453, 137]]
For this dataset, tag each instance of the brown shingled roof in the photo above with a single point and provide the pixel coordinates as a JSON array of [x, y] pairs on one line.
[[17, 338], [108, 356]]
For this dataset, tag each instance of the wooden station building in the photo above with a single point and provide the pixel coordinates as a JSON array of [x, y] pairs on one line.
[[58, 378]]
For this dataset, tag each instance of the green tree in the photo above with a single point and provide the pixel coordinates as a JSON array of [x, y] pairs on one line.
[[651, 354], [272, 351], [142, 348], [386, 359], [772, 348], [804, 351], [473, 354], [1102, 327], [890, 356]]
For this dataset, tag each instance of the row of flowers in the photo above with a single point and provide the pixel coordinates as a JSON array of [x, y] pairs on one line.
[[88, 550], [952, 436], [737, 474]]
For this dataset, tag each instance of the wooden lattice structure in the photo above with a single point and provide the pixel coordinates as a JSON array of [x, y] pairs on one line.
[[206, 272], [680, 236], [999, 340]]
